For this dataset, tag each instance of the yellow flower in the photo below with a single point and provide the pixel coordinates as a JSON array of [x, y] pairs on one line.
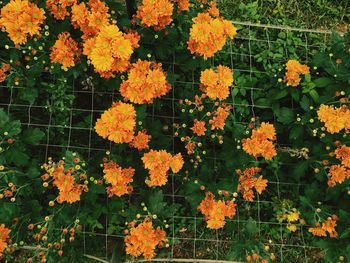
[[292, 217], [292, 228]]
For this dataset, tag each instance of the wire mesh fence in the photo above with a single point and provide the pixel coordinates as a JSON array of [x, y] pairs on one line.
[[190, 244]]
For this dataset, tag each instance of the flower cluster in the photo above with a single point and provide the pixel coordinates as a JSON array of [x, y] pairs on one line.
[[285, 212], [109, 51], [159, 163], [339, 173], [143, 239], [119, 178], [216, 84], [89, 21], [141, 140], [327, 226], [156, 14], [215, 212], [3, 70], [146, 81], [248, 181], [65, 51], [59, 8], [208, 35], [261, 142], [117, 124], [293, 71], [254, 257], [21, 19], [64, 177], [4, 237], [9, 192], [52, 240], [220, 116], [334, 119], [292, 217]]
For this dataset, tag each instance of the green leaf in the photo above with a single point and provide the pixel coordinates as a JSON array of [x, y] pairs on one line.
[[243, 91], [323, 82], [305, 103], [141, 112], [235, 91], [3, 118], [156, 204], [33, 136], [281, 94], [345, 233], [300, 169], [314, 95], [251, 227], [13, 128], [296, 132], [308, 77], [16, 156], [295, 94], [29, 94], [285, 115]]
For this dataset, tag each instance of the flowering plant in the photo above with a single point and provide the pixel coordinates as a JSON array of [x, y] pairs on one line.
[[137, 126]]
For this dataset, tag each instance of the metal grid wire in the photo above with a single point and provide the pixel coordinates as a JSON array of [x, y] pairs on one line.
[[262, 37]]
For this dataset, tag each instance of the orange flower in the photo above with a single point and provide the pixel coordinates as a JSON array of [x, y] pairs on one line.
[[90, 21], [261, 142], [190, 146], [182, 5], [159, 163], [327, 226], [59, 7], [134, 37], [146, 81], [334, 119], [143, 239], [141, 140], [216, 84], [220, 116], [156, 14], [4, 237], [213, 10], [337, 174], [318, 231], [3, 70], [343, 153], [79, 16], [199, 127], [208, 35], [109, 51], [119, 178], [71, 196], [21, 19], [69, 190], [65, 51], [293, 71], [64, 180], [117, 124], [176, 163], [215, 212], [247, 182]]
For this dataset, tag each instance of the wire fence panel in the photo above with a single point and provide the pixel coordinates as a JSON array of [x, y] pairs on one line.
[[190, 244]]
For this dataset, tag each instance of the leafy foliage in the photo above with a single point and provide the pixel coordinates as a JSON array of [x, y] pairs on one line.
[[53, 136]]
